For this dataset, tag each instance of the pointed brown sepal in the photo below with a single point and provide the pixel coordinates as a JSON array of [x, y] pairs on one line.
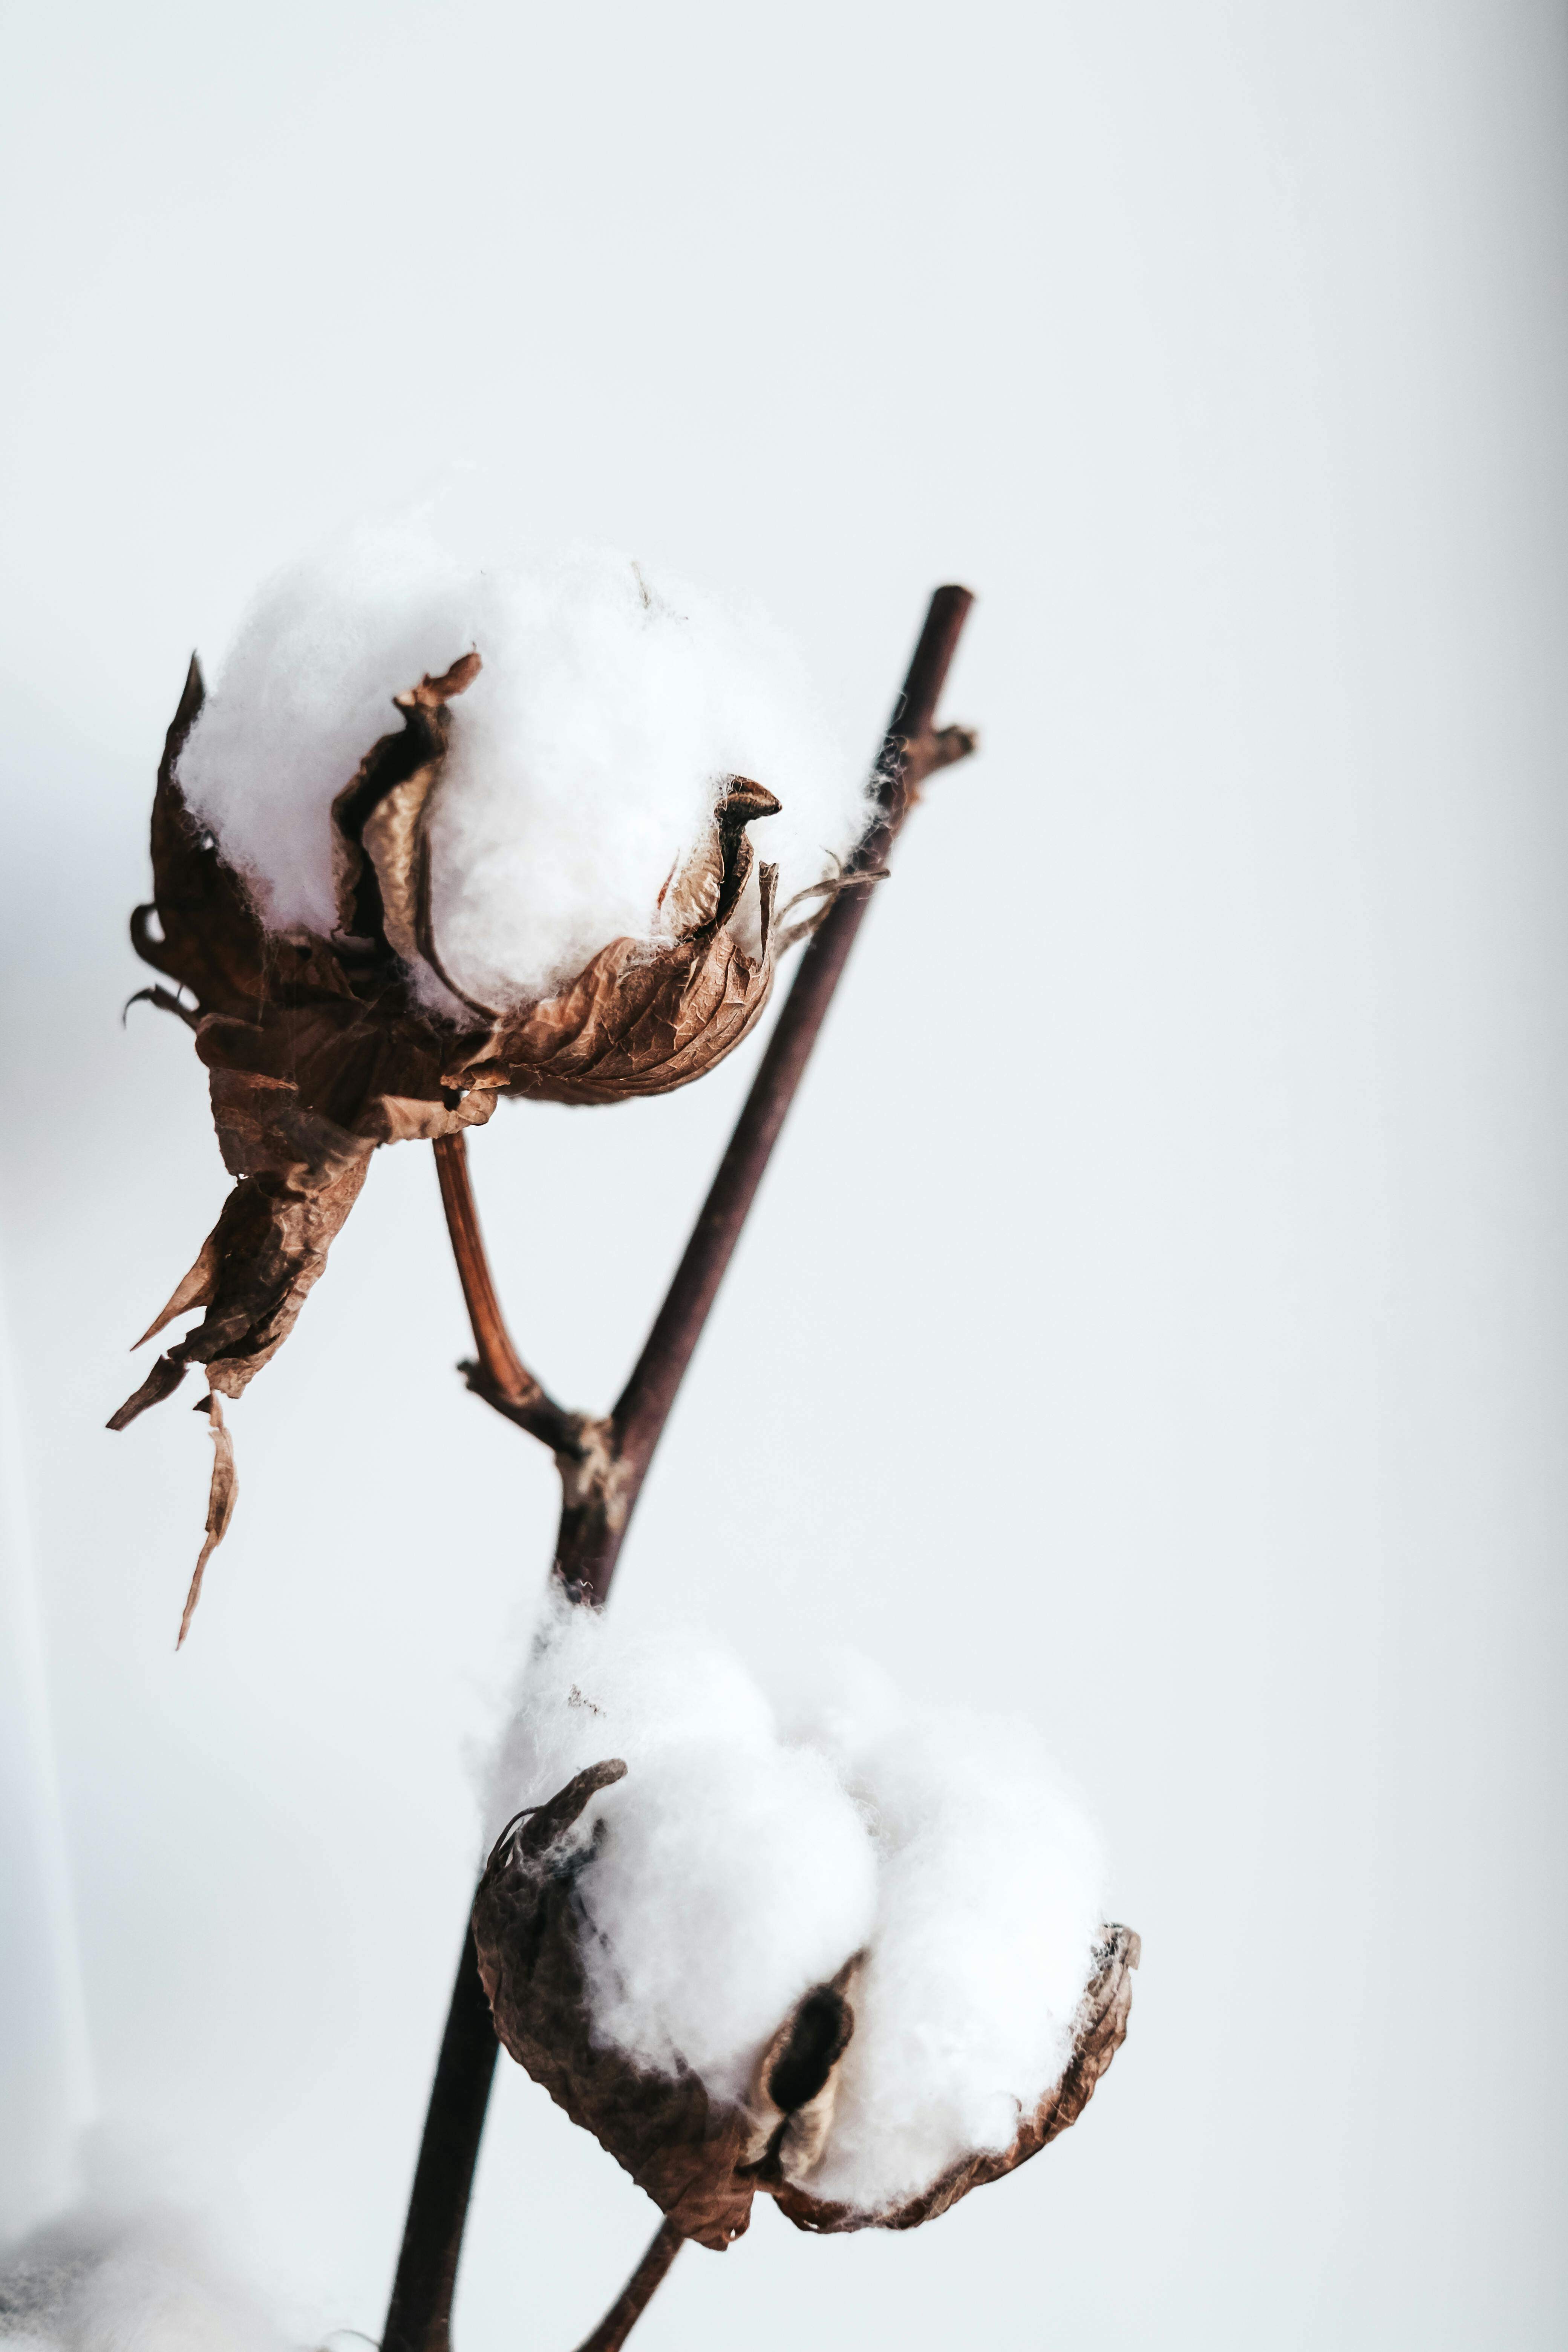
[[212, 940], [679, 2146], [161, 1381]]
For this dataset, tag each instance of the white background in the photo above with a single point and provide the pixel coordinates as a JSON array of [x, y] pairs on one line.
[[1154, 1317]]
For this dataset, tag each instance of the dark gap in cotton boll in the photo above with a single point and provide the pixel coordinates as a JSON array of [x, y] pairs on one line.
[[819, 2038]]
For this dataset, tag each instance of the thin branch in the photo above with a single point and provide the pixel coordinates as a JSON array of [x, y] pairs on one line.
[[603, 1464], [501, 1376], [638, 2293]]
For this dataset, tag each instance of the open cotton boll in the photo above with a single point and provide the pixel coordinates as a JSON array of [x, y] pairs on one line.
[[98, 2282], [990, 1910], [584, 759], [729, 1874], [925, 1864]]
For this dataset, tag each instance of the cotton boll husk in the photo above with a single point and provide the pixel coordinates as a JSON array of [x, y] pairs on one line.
[[732, 1875], [584, 760], [990, 1903], [98, 2282]]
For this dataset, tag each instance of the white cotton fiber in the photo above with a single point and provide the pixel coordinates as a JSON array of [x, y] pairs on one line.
[[744, 1861], [98, 2282], [733, 1873], [583, 759], [990, 1902]]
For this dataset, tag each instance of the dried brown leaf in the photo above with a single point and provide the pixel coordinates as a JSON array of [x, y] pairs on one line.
[[222, 1495], [635, 1022], [212, 940], [193, 1289], [161, 1381], [270, 1247], [677, 2145]]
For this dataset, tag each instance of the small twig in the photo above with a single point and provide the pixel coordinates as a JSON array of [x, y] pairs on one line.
[[940, 748], [603, 1464], [638, 2293], [501, 1376]]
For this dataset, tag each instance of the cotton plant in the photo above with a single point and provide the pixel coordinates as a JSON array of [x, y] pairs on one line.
[[850, 1955]]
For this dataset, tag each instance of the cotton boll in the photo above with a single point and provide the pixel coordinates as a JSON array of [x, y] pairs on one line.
[[990, 1906], [737, 1865], [587, 824], [102, 2282], [584, 760]]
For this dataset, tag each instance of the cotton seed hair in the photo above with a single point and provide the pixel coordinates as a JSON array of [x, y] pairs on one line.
[[583, 759]]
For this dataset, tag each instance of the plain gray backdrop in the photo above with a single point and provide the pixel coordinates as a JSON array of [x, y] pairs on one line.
[[1154, 1318]]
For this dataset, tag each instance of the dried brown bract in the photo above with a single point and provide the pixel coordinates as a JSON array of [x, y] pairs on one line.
[[320, 1049], [681, 2147], [702, 2162], [1102, 2029]]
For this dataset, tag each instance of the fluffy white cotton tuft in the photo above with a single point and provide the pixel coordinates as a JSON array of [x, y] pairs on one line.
[[990, 1899], [583, 759], [101, 2282], [734, 1873], [744, 1861]]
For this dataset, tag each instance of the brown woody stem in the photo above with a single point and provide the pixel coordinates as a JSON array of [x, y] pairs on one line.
[[499, 1376], [638, 2293], [420, 2312], [603, 1464]]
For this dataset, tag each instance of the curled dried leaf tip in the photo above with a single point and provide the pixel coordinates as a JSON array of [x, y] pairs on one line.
[[703, 2161], [222, 1495]]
